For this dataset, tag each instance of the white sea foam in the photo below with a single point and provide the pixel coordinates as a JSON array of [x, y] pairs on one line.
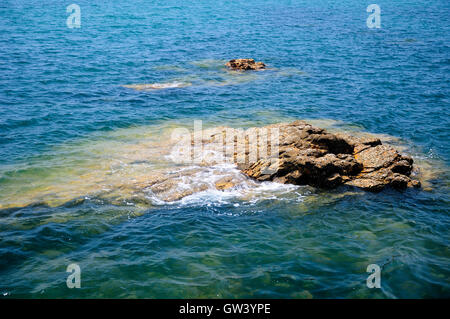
[[205, 179], [157, 86]]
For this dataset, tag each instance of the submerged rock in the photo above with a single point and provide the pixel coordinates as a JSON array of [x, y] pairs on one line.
[[312, 156], [225, 183], [245, 64]]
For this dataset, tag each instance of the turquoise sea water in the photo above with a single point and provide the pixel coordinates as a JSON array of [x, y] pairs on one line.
[[71, 135]]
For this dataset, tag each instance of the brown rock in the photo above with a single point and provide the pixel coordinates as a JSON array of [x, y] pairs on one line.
[[403, 166], [224, 183], [367, 184], [377, 157], [312, 156], [413, 183], [306, 155], [399, 181], [245, 64]]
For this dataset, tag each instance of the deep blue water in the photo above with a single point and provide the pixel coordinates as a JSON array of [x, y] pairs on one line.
[[61, 90]]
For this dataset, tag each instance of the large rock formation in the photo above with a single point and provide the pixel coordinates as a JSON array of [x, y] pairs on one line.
[[312, 156], [245, 64]]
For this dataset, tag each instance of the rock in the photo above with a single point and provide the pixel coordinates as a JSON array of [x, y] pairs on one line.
[[399, 181], [245, 64], [312, 156], [367, 184], [402, 167], [164, 186], [377, 157], [224, 183], [413, 183], [305, 155], [177, 194]]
